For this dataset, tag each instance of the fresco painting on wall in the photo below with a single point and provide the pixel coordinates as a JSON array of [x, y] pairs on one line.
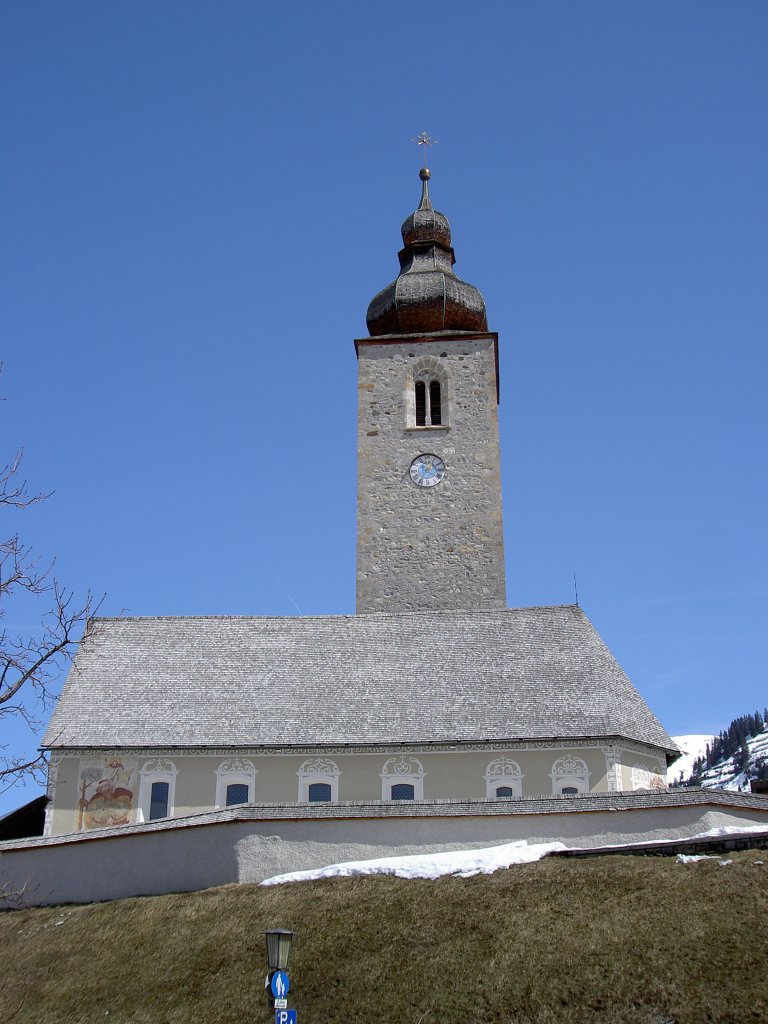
[[106, 794], [645, 778]]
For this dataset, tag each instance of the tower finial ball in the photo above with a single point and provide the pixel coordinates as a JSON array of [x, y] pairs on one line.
[[425, 174]]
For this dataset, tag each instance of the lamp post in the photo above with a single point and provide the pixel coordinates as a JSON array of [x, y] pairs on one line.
[[278, 948], [277, 981]]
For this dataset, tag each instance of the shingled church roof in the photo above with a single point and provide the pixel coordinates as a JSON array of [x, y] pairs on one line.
[[420, 677]]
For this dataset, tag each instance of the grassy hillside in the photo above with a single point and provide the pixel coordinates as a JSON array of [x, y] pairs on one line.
[[625, 940]]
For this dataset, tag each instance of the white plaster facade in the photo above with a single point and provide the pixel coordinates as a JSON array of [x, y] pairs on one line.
[[198, 780]]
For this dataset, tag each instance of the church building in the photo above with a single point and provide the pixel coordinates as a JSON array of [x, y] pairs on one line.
[[433, 692]]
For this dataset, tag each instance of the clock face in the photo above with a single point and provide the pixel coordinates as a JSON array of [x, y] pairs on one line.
[[427, 470]]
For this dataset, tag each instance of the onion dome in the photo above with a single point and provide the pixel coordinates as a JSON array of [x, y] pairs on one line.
[[427, 296]]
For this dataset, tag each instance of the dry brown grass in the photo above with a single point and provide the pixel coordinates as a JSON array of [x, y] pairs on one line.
[[614, 940]]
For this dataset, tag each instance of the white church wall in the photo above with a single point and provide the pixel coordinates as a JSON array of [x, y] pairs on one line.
[[240, 846], [62, 791], [103, 789]]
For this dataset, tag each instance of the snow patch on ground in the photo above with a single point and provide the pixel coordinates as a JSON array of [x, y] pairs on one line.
[[730, 830], [685, 858], [463, 863], [712, 833]]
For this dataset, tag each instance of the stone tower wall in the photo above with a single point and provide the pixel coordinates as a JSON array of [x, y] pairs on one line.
[[441, 546]]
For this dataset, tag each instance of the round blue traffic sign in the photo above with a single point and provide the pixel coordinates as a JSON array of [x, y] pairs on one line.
[[280, 984]]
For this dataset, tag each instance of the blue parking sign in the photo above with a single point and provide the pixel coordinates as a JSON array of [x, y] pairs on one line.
[[285, 1017]]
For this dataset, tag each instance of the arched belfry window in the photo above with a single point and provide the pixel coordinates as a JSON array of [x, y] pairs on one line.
[[435, 403], [426, 394], [421, 403], [429, 406]]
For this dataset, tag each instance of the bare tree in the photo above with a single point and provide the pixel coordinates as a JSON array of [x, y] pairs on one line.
[[30, 664]]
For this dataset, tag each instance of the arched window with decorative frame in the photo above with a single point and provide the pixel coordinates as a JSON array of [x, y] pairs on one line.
[[235, 782], [503, 779], [157, 790], [402, 778], [570, 776], [318, 781]]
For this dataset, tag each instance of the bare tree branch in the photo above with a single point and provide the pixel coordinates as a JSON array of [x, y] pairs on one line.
[[13, 492], [12, 898], [14, 768], [34, 660], [34, 663], [31, 664]]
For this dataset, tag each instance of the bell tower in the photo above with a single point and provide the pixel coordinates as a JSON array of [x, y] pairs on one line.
[[429, 522]]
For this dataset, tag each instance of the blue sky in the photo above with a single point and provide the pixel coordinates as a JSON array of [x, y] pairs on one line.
[[199, 201]]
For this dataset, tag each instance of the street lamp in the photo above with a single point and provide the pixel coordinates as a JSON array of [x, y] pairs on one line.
[[278, 947]]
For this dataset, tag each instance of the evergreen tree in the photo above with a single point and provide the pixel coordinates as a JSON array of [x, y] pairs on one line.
[[731, 743], [741, 759], [697, 770]]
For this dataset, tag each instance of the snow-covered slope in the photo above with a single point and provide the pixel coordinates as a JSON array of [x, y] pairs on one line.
[[692, 746], [725, 774]]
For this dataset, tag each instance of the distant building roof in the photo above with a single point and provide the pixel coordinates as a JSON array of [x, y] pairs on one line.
[[25, 821], [421, 677]]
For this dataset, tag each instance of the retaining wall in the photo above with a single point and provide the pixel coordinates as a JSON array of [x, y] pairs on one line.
[[254, 842]]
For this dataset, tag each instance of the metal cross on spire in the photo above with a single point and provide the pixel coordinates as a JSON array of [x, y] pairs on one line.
[[423, 139]]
